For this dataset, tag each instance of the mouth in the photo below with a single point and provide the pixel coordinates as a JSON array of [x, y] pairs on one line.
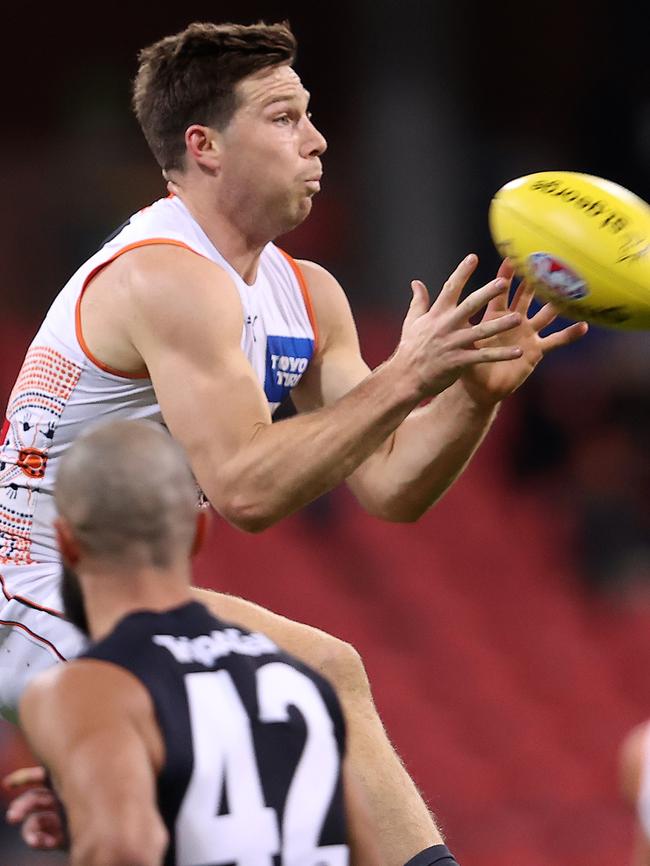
[[313, 181]]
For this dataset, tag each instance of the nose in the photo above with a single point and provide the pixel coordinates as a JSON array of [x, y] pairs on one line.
[[315, 143]]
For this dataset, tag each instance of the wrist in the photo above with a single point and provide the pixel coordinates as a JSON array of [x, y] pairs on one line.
[[406, 385], [436, 855], [477, 398]]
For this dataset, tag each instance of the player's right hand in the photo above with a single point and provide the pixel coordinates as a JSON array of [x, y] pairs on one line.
[[37, 810], [438, 340]]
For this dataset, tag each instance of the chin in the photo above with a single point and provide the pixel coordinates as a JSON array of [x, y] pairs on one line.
[[292, 215], [301, 212]]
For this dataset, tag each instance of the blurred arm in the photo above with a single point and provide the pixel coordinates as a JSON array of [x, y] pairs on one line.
[[632, 759], [101, 761]]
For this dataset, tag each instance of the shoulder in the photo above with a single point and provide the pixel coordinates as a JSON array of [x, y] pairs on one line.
[[66, 692], [318, 278], [170, 289], [331, 306], [152, 271], [631, 760], [152, 268]]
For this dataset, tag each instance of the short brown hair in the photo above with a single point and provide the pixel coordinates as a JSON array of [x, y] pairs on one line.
[[190, 78]]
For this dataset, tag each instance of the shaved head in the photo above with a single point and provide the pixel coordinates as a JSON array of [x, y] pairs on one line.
[[128, 495]]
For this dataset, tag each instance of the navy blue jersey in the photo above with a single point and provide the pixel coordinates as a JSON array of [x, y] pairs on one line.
[[253, 740]]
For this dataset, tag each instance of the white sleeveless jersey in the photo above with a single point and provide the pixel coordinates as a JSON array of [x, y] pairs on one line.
[[62, 389]]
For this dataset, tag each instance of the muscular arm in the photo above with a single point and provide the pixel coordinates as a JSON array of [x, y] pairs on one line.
[[414, 466], [419, 460], [364, 847], [91, 724], [186, 325]]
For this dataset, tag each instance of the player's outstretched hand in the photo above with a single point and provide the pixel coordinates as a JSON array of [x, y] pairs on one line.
[[439, 343], [490, 383], [36, 809]]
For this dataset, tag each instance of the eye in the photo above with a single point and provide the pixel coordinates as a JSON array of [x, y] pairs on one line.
[[282, 119]]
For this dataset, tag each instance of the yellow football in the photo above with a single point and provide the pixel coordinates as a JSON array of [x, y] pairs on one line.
[[582, 242]]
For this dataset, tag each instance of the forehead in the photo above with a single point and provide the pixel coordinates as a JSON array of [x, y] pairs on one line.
[[272, 83]]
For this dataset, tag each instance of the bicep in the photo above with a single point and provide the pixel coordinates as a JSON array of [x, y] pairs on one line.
[[209, 397], [208, 392]]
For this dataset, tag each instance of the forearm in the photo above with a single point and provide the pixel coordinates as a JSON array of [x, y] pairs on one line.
[[285, 465], [117, 840], [424, 456]]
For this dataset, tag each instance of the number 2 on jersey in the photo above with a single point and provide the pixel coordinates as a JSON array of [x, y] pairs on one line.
[[224, 755]]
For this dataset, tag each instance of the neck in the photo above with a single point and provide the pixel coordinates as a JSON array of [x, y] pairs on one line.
[[235, 233], [113, 592]]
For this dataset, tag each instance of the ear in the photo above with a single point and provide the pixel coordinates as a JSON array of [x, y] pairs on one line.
[[203, 520], [66, 542], [202, 143]]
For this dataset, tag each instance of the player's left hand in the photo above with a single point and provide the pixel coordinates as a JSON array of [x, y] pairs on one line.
[[37, 810], [487, 384]]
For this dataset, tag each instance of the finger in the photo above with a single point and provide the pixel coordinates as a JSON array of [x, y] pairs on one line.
[[479, 299], [492, 354], [419, 302], [506, 269], [41, 831], [565, 337], [25, 776], [485, 329], [457, 281], [30, 801], [523, 296], [505, 272], [544, 317]]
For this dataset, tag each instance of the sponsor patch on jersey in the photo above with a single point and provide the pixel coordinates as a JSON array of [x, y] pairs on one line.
[[287, 359], [207, 648]]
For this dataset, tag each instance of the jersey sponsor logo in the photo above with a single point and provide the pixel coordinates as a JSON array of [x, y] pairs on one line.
[[207, 648], [287, 358]]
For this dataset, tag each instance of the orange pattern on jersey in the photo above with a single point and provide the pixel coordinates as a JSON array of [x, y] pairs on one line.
[[48, 372], [44, 385], [32, 462]]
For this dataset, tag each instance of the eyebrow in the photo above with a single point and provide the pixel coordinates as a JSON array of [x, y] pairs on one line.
[[287, 98]]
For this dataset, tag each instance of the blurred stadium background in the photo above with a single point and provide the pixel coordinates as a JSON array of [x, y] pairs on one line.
[[507, 633]]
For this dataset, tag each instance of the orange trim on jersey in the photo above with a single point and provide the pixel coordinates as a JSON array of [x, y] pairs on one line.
[[91, 275], [37, 637], [21, 599], [306, 296]]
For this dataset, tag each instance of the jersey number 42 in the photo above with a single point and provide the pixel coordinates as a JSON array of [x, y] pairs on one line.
[[251, 833]]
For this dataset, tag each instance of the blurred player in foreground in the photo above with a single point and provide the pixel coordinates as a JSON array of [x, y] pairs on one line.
[[171, 711], [634, 774], [192, 316]]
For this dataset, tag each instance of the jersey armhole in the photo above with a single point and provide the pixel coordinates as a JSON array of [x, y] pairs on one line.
[[77, 315], [306, 296]]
